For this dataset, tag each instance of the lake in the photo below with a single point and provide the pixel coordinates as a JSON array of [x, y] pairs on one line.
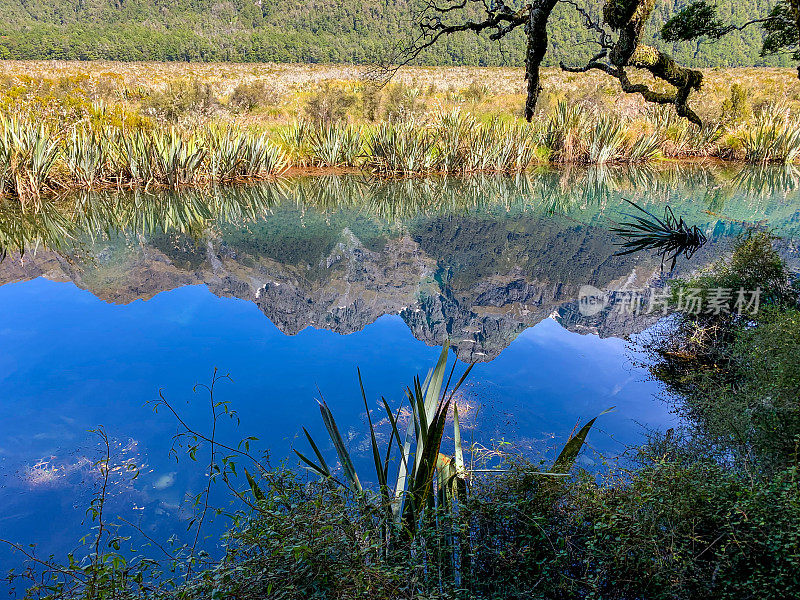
[[289, 286]]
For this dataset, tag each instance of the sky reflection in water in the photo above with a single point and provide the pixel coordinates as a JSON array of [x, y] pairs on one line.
[[93, 329]]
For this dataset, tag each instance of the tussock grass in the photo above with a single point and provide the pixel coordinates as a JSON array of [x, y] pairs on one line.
[[147, 125]]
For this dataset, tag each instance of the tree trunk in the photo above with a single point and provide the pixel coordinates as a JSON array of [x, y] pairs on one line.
[[794, 5], [536, 30]]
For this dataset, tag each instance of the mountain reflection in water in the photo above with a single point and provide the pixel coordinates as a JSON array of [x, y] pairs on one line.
[[479, 261], [474, 260]]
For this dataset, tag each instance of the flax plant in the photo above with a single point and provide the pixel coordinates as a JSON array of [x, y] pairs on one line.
[[85, 156], [427, 484], [336, 144], [235, 155], [28, 154], [775, 138], [295, 141], [401, 149]]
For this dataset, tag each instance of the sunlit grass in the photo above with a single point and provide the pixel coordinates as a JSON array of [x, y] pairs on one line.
[[70, 126]]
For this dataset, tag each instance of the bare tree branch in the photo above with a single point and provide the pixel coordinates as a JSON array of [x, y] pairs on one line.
[[623, 19]]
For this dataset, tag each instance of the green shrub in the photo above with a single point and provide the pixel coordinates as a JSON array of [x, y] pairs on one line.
[[737, 107], [737, 376], [402, 102], [329, 104], [179, 99], [248, 96]]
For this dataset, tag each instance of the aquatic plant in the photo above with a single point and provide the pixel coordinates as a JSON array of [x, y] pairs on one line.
[[669, 236], [647, 147], [455, 143], [295, 141], [176, 157], [512, 146]]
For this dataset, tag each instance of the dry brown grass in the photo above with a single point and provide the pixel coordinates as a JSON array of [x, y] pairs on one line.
[[439, 88]]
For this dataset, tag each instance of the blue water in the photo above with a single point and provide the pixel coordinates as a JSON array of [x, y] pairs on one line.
[[90, 334], [88, 363]]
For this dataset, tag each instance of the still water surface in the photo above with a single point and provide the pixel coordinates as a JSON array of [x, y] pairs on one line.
[[288, 287]]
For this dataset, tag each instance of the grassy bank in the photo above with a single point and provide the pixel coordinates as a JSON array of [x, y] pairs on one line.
[[77, 126], [38, 158]]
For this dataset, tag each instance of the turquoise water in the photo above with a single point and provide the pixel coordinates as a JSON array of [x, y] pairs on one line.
[[289, 287]]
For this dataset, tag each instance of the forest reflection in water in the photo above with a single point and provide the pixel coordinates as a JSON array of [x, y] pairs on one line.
[[493, 264], [476, 260]]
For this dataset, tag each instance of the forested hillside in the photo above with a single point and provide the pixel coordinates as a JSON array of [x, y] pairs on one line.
[[329, 31]]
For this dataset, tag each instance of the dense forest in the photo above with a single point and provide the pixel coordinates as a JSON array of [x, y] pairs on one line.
[[321, 31]]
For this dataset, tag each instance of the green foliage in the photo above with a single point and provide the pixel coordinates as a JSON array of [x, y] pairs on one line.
[[235, 155], [737, 108], [336, 144], [696, 20], [249, 96], [606, 138], [349, 31], [687, 528], [27, 155], [783, 34], [732, 374], [329, 104], [179, 99]]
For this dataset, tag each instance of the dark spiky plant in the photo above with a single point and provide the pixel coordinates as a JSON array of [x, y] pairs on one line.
[[670, 237]]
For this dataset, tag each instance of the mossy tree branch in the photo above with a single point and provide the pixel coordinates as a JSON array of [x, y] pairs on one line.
[[619, 36]]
